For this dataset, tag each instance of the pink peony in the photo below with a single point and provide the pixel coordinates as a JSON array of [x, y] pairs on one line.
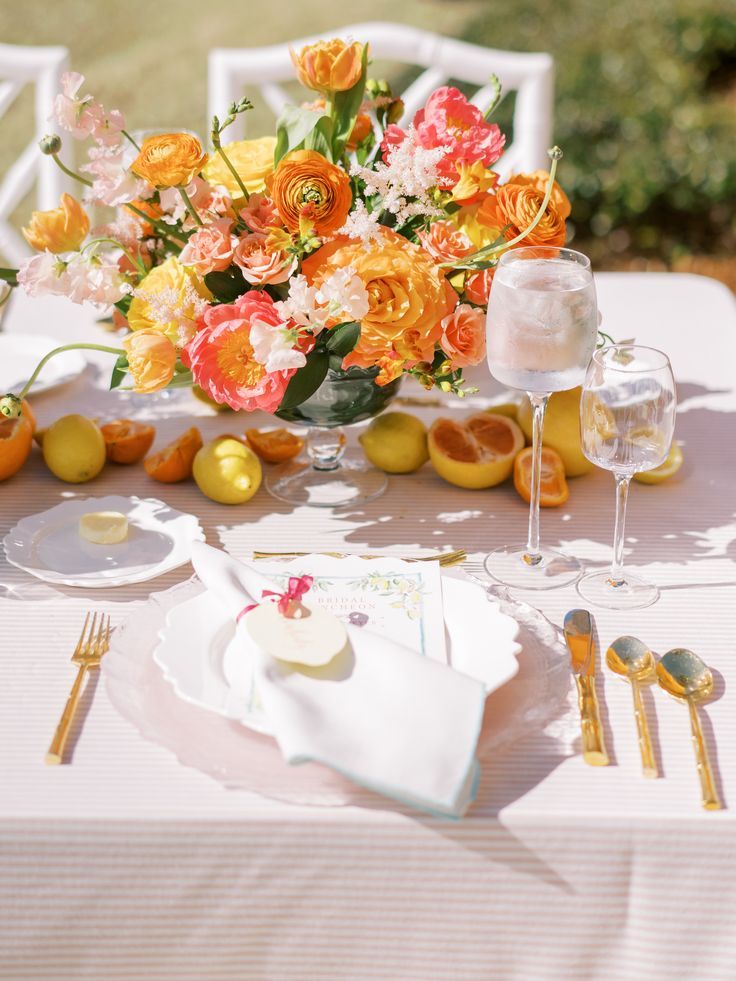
[[223, 361], [449, 120], [259, 265], [210, 248], [464, 336], [445, 242], [260, 214]]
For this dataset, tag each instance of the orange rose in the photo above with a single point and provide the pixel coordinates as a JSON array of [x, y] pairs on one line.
[[170, 160], [151, 359], [408, 297], [445, 242], [62, 229], [329, 66], [478, 286], [305, 185], [514, 207], [464, 336]]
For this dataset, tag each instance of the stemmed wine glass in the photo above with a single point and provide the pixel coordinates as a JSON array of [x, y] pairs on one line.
[[541, 328], [627, 418]]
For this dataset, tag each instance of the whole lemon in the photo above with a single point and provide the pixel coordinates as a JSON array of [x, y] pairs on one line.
[[74, 449], [396, 442], [561, 429], [227, 471]]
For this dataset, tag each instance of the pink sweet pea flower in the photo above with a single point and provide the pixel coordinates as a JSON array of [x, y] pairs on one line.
[[113, 183], [43, 274], [222, 358], [259, 265], [210, 248], [77, 114], [464, 336]]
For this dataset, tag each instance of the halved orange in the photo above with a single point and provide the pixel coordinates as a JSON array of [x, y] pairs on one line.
[[30, 415], [16, 438], [174, 462], [476, 453], [127, 441], [553, 486], [274, 445]]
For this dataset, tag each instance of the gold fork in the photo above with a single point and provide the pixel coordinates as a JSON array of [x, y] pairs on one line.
[[92, 644], [445, 559]]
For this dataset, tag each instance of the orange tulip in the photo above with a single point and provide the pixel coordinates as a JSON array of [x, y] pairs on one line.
[[151, 359], [170, 160], [329, 66], [62, 229]]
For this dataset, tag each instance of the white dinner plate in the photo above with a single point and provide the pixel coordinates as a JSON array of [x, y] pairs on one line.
[[48, 545], [197, 657], [19, 355]]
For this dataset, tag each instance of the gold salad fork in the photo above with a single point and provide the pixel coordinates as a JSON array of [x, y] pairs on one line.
[[445, 559], [92, 644]]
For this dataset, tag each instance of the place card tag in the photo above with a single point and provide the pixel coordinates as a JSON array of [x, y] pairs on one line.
[[308, 635]]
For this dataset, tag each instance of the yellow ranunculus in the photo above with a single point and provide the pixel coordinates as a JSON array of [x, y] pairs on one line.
[[62, 229], [170, 159], [253, 160], [329, 66], [171, 299], [151, 359]]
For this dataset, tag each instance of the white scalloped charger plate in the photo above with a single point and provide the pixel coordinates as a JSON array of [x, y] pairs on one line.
[[48, 545], [19, 355], [196, 655]]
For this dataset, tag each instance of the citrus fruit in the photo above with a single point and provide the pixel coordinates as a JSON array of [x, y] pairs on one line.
[[561, 429], [476, 453], [663, 472], [274, 445], [103, 527], [174, 462], [396, 442], [30, 415], [227, 471], [127, 441], [16, 439], [74, 449], [509, 409], [553, 486]]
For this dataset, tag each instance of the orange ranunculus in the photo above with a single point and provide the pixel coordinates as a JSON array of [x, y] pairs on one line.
[[361, 128], [408, 297], [329, 66], [150, 208], [538, 180], [62, 229], [514, 207], [151, 359], [306, 185], [170, 159]]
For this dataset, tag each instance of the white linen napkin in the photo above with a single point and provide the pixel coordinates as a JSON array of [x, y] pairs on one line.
[[385, 717]]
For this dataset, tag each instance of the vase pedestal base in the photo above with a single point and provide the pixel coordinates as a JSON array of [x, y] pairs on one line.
[[353, 482]]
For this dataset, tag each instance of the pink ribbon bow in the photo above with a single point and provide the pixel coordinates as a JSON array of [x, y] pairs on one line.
[[298, 586]]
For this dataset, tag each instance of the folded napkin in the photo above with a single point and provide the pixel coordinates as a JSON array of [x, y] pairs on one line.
[[382, 715]]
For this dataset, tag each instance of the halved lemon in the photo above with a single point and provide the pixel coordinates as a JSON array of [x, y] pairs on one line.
[[553, 486], [476, 453], [665, 470]]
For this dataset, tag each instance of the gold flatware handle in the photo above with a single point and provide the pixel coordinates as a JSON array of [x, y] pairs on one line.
[[648, 763], [445, 559], [55, 752], [709, 794], [594, 748]]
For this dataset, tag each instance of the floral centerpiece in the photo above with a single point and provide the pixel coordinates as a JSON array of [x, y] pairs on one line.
[[345, 244]]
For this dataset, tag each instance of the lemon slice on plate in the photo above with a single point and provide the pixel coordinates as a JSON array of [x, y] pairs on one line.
[[103, 527], [665, 470]]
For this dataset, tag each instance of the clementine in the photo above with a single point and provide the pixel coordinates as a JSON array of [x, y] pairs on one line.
[[174, 462]]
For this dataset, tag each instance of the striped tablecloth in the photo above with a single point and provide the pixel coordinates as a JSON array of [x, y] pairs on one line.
[[126, 864]]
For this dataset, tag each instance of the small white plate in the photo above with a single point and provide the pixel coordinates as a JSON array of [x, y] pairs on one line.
[[49, 546], [196, 655], [19, 355]]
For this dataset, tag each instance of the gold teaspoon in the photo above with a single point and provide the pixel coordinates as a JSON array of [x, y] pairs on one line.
[[686, 677], [633, 660]]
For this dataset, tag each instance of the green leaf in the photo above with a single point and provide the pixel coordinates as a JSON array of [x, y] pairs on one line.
[[227, 285], [123, 304], [293, 128], [10, 276], [342, 339], [320, 138], [119, 371], [306, 381], [346, 108]]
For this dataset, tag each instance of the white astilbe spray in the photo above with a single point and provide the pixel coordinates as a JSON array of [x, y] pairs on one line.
[[403, 184], [362, 224]]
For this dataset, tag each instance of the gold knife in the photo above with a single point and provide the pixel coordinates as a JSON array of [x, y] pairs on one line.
[[578, 627]]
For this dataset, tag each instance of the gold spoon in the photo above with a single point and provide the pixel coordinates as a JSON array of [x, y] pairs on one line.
[[684, 676], [633, 660]]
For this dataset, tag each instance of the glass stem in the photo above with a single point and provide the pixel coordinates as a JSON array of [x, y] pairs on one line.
[[617, 566], [325, 447], [539, 407]]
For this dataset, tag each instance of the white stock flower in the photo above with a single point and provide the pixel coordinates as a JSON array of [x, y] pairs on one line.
[[344, 295], [273, 346]]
